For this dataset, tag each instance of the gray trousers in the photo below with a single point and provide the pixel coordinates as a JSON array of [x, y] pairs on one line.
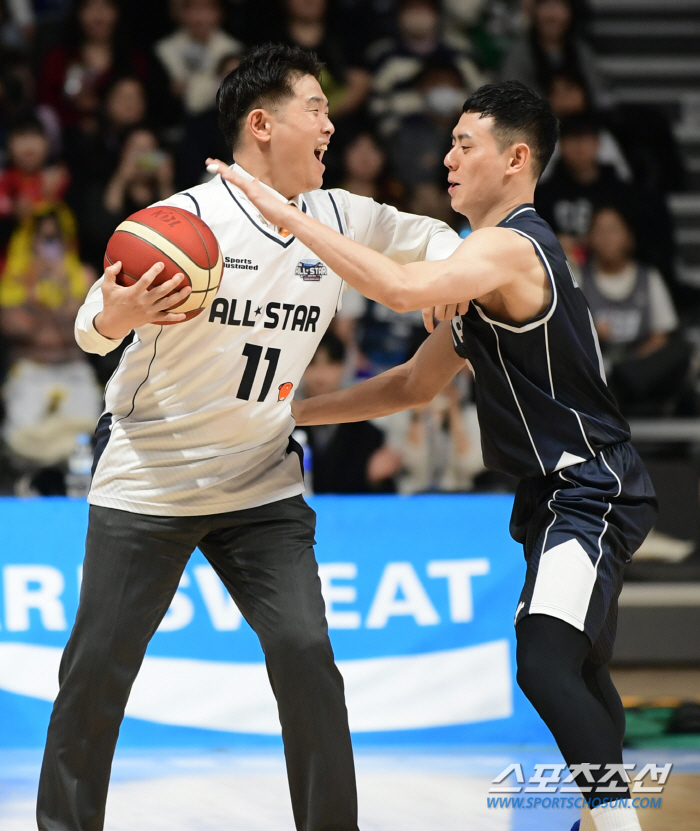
[[133, 565]]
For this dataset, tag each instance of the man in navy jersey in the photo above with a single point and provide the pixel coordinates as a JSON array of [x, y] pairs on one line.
[[585, 502]]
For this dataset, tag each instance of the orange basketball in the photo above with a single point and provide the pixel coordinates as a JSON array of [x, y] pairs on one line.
[[178, 239]]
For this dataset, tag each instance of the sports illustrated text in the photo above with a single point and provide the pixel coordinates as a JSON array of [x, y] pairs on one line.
[[614, 780]]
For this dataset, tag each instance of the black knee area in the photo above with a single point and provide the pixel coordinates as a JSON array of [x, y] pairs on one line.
[[298, 647], [550, 654]]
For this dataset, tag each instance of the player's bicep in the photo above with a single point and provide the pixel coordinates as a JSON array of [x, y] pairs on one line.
[[486, 261]]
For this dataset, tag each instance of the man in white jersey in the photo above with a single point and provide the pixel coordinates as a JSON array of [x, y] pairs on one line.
[[194, 450]]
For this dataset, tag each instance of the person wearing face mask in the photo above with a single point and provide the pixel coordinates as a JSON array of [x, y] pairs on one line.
[[398, 64], [51, 393], [552, 45], [423, 138]]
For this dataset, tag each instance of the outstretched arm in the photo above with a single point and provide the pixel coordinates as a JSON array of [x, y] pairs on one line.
[[412, 384], [487, 260]]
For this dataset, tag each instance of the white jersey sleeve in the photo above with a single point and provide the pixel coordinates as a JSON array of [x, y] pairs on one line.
[[403, 237], [88, 338]]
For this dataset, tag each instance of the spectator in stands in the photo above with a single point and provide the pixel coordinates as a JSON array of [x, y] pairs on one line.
[[312, 24], [635, 319], [364, 169], [346, 458], [636, 138], [30, 180], [51, 393], [202, 137], [440, 445], [398, 62], [579, 183], [192, 54], [94, 156], [14, 31], [74, 75], [386, 337], [553, 45], [432, 199], [145, 175], [567, 95], [491, 25], [419, 146]]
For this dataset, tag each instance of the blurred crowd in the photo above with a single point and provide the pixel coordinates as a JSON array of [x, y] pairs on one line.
[[108, 105]]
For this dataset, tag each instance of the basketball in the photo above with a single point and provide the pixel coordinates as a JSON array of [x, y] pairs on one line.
[[177, 238]]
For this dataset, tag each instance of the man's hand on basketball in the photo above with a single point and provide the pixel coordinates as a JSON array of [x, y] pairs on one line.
[[274, 210], [130, 307]]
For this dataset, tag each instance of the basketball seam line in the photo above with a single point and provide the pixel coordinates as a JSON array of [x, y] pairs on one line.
[[206, 250], [132, 234], [172, 242], [194, 291]]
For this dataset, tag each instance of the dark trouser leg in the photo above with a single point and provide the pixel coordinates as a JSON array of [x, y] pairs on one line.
[[133, 564], [266, 560], [575, 699]]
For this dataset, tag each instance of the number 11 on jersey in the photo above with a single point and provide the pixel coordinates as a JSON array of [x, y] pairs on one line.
[[253, 353]]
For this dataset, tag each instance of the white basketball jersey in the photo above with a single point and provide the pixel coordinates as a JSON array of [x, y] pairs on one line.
[[197, 415]]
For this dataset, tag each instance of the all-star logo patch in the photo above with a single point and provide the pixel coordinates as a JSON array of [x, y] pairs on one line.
[[311, 270]]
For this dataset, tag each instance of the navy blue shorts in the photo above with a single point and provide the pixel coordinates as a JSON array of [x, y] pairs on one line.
[[580, 527]]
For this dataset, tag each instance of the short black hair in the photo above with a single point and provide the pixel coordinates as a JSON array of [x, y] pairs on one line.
[[263, 78], [26, 124], [333, 347], [519, 114]]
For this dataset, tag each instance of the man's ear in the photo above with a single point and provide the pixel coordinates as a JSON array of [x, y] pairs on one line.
[[520, 156], [259, 124]]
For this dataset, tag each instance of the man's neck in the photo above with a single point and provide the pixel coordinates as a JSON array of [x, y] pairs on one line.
[[491, 215], [259, 169]]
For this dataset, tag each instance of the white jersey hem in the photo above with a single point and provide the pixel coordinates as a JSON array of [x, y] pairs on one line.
[[150, 509]]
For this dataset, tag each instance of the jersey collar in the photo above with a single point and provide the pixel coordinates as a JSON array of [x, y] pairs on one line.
[[524, 208], [254, 214]]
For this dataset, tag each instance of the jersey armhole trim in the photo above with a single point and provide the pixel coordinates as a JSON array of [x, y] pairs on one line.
[[337, 213], [196, 204], [148, 373], [546, 314], [340, 228]]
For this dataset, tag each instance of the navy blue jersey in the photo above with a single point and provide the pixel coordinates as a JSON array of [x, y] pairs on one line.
[[541, 394]]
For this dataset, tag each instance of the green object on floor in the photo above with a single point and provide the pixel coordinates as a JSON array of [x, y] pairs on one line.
[[647, 727]]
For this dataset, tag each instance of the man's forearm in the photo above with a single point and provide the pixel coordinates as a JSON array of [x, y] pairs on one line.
[[380, 396], [412, 384], [371, 273]]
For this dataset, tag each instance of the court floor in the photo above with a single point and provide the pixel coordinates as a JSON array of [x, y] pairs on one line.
[[227, 790]]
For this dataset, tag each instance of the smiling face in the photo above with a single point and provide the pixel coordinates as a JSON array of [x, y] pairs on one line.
[[479, 168], [299, 132]]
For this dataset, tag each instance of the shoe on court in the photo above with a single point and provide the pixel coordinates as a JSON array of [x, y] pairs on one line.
[[576, 825]]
